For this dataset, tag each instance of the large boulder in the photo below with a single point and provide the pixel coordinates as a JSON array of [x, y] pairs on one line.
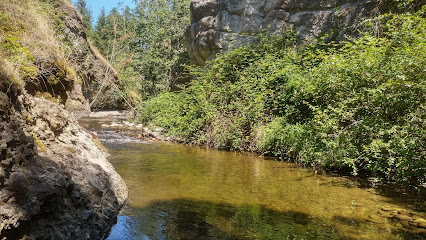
[[220, 25], [55, 181]]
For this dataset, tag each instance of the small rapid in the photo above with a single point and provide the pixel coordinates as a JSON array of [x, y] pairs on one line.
[[116, 137]]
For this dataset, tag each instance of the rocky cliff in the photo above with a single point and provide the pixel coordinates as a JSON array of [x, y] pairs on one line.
[[55, 180], [56, 183], [219, 25]]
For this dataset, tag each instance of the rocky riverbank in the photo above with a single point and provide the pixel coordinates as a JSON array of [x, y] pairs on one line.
[[56, 182], [55, 179], [117, 121]]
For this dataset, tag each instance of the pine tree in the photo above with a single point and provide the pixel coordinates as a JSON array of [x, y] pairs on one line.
[[100, 33], [146, 44], [87, 16], [162, 24]]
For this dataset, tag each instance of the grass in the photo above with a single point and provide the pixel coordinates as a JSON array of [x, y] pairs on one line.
[[33, 48], [99, 56]]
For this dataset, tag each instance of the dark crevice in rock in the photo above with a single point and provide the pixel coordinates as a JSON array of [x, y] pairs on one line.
[[16, 233], [56, 189]]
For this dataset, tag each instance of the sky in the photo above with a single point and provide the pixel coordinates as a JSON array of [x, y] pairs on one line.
[[96, 5]]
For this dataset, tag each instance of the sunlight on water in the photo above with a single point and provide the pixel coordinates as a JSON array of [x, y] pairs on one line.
[[183, 192]]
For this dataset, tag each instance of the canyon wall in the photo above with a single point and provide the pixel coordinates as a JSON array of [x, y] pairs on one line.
[[220, 25], [55, 179]]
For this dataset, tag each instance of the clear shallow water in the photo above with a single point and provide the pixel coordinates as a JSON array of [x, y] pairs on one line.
[[183, 192]]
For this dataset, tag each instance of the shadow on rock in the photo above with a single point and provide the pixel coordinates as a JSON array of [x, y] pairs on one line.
[[55, 182]]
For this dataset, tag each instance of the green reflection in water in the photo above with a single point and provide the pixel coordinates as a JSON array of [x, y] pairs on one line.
[[182, 192], [193, 219]]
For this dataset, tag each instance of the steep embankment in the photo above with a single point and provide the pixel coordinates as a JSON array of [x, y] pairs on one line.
[[55, 181]]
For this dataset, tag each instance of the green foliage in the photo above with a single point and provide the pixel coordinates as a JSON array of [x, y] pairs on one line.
[[358, 106], [17, 62], [410, 4], [161, 26], [86, 13], [100, 34], [146, 44], [179, 113]]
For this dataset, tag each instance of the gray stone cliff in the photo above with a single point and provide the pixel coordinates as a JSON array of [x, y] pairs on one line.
[[220, 25], [55, 182], [55, 179]]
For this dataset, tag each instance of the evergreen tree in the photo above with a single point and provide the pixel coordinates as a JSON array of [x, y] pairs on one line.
[[100, 35], [146, 44], [87, 16], [161, 28]]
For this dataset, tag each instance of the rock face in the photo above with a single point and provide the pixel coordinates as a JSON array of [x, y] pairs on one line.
[[91, 68], [55, 182], [84, 71], [220, 25]]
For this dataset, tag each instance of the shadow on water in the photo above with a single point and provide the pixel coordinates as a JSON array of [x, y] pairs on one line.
[[413, 197], [188, 219], [194, 219], [183, 192], [39, 198], [408, 196]]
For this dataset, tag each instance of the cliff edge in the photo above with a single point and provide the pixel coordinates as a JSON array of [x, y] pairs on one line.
[[55, 180], [220, 25]]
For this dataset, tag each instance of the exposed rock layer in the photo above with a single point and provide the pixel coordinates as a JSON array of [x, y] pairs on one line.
[[220, 25], [93, 70], [90, 71], [56, 183], [55, 180]]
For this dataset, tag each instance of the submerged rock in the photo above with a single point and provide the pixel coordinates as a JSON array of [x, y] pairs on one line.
[[55, 182], [408, 220]]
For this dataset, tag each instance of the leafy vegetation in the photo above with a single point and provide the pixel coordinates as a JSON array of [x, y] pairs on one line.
[[358, 106], [145, 44]]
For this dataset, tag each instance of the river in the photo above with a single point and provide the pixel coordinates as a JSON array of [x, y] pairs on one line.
[[186, 192]]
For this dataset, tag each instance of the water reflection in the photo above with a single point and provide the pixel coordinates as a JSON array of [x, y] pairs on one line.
[[181, 192], [194, 219]]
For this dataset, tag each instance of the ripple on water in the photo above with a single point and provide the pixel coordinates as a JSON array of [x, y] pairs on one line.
[[183, 192], [117, 137]]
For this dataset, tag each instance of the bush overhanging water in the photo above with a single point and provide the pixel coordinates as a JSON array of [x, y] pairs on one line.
[[358, 105]]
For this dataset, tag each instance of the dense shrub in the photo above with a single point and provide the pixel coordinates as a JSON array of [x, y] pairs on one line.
[[358, 105]]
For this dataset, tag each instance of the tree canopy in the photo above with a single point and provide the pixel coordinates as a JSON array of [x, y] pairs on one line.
[[145, 44]]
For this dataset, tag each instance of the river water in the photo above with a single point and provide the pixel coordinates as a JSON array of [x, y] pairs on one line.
[[184, 192]]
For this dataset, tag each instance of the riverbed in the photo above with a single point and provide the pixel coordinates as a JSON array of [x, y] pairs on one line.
[[186, 192]]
